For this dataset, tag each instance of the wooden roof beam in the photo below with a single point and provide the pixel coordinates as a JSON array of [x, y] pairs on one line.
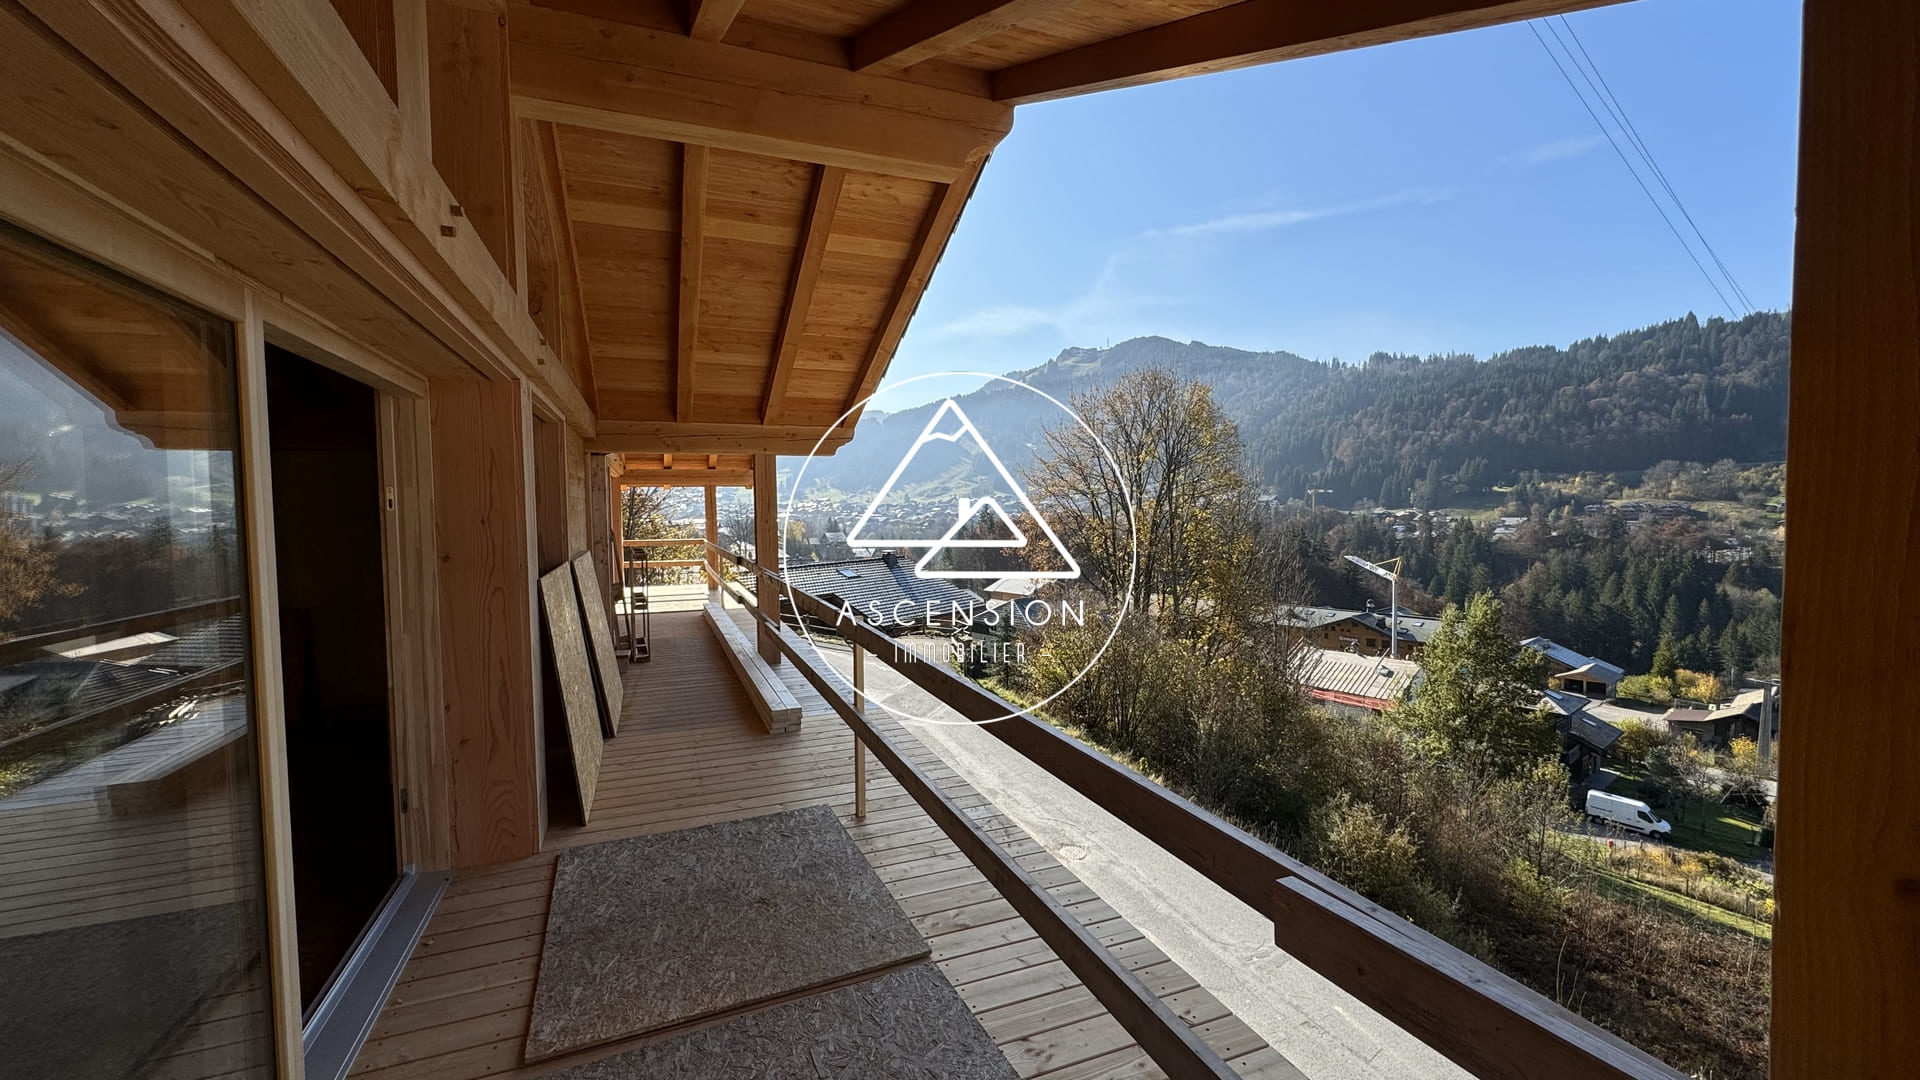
[[1253, 32], [668, 478], [638, 80], [708, 20], [928, 28], [693, 242], [806, 274], [658, 437], [928, 243]]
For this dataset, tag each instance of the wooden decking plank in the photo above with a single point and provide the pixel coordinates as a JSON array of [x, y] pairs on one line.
[[691, 752]]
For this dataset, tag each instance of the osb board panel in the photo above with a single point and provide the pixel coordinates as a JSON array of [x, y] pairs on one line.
[[905, 1025], [653, 931], [569, 651], [606, 662]]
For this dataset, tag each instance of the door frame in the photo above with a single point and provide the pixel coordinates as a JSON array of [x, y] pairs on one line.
[[37, 196]]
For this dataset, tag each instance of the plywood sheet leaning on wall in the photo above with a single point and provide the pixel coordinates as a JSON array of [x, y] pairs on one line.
[[606, 660], [567, 645]]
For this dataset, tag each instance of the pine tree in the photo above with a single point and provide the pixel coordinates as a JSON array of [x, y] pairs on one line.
[[1479, 695], [1664, 662]]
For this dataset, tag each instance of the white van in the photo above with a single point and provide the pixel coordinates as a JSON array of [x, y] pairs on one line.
[[1626, 813]]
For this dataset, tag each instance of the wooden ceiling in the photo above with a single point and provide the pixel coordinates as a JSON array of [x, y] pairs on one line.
[[731, 207], [156, 370]]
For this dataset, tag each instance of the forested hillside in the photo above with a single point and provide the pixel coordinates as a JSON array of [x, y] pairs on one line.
[[1683, 390]]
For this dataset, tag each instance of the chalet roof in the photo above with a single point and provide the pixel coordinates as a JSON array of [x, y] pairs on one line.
[[1747, 703], [883, 580], [1335, 671], [1414, 627], [208, 645], [1589, 729], [1575, 663]]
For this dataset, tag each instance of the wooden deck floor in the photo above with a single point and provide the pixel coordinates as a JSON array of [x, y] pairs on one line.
[[691, 752]]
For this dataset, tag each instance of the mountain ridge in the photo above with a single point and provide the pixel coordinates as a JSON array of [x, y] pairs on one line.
[[1682, 389]]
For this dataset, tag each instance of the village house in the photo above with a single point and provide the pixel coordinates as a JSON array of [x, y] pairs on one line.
[[1368, 631], [1346, 682], [1575, 672], [1717, 726]]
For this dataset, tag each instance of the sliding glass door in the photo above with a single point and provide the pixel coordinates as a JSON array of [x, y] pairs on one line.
[[132, 909]]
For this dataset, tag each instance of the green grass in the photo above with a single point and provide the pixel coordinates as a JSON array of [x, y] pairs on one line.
[[1704, 824], [1623, 887]]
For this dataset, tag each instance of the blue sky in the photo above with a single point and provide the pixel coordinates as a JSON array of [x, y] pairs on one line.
[[1446, 194]]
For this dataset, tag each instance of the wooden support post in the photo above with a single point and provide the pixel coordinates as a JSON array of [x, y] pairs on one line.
[[859, 748], [490, 635], [1848, 848], [713, 541], [766, 548]]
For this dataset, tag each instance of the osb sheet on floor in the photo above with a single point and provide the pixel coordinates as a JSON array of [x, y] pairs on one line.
[[904, 1025], [653, 931]]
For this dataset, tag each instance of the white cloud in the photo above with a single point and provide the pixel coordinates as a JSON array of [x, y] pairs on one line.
[[1262, 220], [1106, 305], [1549, 152]]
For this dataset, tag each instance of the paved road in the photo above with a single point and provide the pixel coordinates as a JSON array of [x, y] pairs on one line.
[[1223, 943]]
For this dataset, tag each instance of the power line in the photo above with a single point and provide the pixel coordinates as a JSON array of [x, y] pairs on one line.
[[1648, 192], [1618, 111]]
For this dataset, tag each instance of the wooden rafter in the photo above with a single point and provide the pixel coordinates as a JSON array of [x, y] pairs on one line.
[[928, 243], [927, 28], [693, 239], [806, 274], [708, 20], [1253, 32], [613, 76]]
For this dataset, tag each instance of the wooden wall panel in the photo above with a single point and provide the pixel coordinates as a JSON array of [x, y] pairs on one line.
[[549, 495], [483, 503], [1847, 939], [472, 117], [413, 634], [371, 24]]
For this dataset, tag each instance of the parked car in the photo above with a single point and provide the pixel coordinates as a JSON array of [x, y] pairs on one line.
[[1627, 813]]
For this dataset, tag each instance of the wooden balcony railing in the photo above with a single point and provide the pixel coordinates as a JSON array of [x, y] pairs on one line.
[[1489, 1024]]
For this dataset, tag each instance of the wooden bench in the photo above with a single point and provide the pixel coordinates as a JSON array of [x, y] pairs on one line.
[[777, 706], [198, 756]]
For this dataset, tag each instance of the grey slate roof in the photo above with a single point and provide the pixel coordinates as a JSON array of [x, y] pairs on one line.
[[1575, 663], [884, 580], [1414, 627]]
